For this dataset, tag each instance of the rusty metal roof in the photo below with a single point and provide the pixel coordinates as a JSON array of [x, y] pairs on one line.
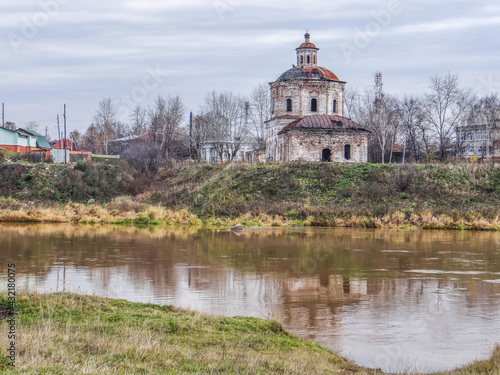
[[397, 148], [332, 122], [307, 45], [308, 73]]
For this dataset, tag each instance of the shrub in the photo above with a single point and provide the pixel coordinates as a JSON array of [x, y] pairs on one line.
[[81, 165]]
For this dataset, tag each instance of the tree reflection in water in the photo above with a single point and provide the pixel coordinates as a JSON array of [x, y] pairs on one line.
[[384, 298]]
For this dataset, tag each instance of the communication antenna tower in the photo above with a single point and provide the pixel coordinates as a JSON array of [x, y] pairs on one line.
[[378, 86]]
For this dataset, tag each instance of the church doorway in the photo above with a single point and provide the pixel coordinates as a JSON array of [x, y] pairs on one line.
[[326, 155]]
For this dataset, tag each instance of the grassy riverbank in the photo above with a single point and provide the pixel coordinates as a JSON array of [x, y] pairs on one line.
[[326, 194], [317, 194], [70, 334], [74, 334]]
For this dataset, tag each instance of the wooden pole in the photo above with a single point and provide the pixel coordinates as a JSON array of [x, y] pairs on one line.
[[404, 151], [58, 130], [64, 141], [191, 135]]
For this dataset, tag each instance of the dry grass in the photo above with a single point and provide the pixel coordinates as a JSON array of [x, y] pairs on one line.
[[128, 210], [121, 210], [316, 194], [490, 366], [65, 333], [73, 334]]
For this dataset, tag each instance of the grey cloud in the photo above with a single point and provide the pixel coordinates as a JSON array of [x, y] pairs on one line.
[[90, 50]]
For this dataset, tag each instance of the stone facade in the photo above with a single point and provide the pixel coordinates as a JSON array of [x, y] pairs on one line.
[[324, 145], [308, 91], [328, 94]]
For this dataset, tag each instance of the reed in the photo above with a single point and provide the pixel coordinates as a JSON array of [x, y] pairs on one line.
[[126, 211]]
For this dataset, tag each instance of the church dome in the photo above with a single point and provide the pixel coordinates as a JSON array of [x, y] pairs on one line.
[[307, 67], [307, 43], [308, 73]]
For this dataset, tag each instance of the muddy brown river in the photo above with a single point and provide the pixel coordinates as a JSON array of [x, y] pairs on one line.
[[397, 300]]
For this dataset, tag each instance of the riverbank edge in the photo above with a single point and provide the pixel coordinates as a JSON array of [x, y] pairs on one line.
[[278, 194], [126, 211], [64, 332]]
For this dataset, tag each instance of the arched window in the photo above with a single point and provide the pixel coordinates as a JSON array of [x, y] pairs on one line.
[[308, 59], [301, 60], [314, 105], [347, 152], [334, 107], [289, 105]]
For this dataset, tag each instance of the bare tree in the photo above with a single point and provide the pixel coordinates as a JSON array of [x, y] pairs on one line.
[[32, 125], [444, 108], [165, 120], [10, 125], [414, 128], [259, 114], [139, 120], [91, 141], [379, 115], [75, 138], [200, 134], [106, 123], [351, 95], [226, 114]]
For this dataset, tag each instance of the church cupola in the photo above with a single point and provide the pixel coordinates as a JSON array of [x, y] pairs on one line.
[[307, 53]]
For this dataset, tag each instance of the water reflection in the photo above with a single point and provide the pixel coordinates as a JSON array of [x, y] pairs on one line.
[[399, 300]]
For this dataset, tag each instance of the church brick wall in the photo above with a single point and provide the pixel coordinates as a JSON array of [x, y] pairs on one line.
[[301, 92], [320, 140], [307, 145]]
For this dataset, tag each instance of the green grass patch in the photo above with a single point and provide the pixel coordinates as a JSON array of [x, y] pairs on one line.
[[65, 333], [69, 334]]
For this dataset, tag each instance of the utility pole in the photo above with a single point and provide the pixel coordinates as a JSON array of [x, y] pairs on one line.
[[378, 86], [64, 141], [404, 151], [3, 115], [247, 108], [58, 130], [191, 135]]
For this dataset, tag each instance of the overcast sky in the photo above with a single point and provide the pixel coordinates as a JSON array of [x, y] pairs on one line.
[[78, 52]]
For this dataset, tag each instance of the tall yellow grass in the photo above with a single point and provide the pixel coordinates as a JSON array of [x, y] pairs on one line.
[[127, 210]]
